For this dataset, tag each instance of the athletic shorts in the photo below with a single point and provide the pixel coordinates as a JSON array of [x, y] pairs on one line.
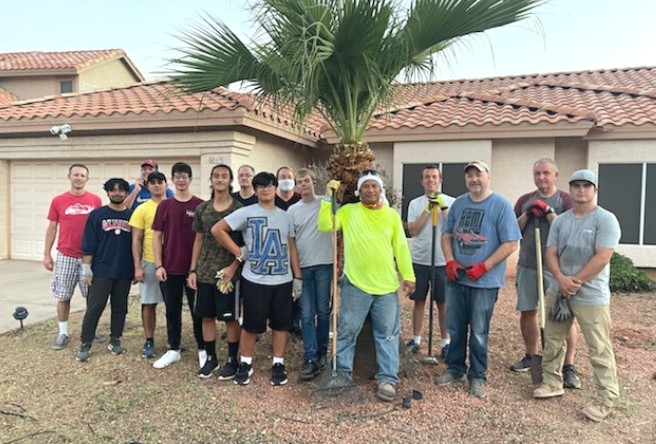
[[151, 292], [527, 288], [262, 302], [422, 275], [210, 303], [68, 274]]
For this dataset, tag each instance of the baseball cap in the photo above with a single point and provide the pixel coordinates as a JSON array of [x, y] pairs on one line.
[[156, 175], [150, 162], [480, 166], [585, 175]]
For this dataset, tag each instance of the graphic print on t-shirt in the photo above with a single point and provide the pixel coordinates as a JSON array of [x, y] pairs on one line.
[[467, 232], [117, 225], [78, 209], [270, 255]]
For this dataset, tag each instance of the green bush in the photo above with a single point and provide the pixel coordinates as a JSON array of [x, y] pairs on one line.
[[625, 278]]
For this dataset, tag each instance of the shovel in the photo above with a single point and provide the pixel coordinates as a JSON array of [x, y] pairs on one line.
[[536, 360], [430, 359]]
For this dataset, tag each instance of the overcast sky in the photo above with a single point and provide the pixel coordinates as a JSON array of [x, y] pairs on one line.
[[567, 35]]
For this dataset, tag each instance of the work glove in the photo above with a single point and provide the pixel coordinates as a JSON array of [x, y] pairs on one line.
[[475, 271], [87, 274], [452, 268], [560, 311], [224, 286], [243, 256], [297, 288], [436, 199], [540, 208], [332, 187]]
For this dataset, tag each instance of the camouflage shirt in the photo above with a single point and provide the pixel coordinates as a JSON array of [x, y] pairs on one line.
[[213, 257]]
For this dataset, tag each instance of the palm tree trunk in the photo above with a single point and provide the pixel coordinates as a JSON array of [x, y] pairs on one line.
[[347, 163]]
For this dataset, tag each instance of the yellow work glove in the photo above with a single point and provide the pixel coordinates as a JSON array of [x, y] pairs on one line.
[[332, 187], [224, 286], [436, 199]]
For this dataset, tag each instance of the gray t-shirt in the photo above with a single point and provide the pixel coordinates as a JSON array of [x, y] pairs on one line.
[[266, 234], [314, 247], [577, 239], [421, 243], [560, 202]]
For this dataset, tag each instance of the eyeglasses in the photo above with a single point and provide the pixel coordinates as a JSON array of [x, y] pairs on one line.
[[181, 177], [264, 187]]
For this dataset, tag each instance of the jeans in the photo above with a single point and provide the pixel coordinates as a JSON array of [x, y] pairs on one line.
[[172, 290], [468, 310], [355, 304], [99, 292], [315, 310]]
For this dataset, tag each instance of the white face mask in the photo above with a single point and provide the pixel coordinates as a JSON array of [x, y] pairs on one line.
[[286, 184]]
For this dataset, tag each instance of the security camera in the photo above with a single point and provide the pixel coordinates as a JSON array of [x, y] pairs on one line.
[[65, 128], [62, 131], [54, 130]]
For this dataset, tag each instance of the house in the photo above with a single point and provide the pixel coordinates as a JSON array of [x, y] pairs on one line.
[[31, 75], [604, 120]]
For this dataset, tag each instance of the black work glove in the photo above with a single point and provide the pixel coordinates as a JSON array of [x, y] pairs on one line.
[[560, 311]]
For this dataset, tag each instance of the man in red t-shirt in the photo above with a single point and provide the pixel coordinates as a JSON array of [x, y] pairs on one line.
[[69, 212], [173, 240]]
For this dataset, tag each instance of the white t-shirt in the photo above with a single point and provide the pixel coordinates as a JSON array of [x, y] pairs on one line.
[[314, 247], [421, 243], [266, 234]]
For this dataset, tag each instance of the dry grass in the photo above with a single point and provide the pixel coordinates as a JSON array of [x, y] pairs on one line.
[[48, 397]]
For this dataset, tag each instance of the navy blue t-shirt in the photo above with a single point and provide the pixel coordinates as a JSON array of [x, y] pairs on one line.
[[144, 195], [108, 238]]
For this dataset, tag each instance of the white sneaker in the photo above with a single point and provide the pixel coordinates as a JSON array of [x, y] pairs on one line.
[[202, 358], [167, 359]]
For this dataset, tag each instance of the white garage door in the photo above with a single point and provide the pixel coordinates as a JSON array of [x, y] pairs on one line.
[[35, 183]]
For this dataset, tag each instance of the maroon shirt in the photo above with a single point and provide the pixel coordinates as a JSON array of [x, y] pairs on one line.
[[174, 219]]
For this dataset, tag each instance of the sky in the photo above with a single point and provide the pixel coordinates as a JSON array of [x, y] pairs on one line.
[[563, 35]]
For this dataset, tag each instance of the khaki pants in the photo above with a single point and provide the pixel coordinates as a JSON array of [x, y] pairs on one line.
[[594, 321]]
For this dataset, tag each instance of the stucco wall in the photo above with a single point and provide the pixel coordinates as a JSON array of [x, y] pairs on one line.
[[27, 88], [106, 75], [571, 155], [4, 209]]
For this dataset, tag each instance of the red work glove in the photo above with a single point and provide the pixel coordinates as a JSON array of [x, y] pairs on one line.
[[452, 268], [476, 271], [540, 208]]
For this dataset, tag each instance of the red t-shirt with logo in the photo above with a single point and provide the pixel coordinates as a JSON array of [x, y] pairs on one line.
[[175, 219], [71, 213]]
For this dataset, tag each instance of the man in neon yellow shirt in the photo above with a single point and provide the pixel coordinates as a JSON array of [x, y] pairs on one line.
[[373, 239], [144, 258]]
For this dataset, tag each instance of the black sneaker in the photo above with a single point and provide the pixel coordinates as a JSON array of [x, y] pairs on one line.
[[571, 377], [84, 353], [309, 371], [278, 374], [211, 364], [229, 371], [322, 361], [114, 346], [412, 346], [522, 366], [243, 376]]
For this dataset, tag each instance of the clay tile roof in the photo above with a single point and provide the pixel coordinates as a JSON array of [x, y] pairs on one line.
[[7, 98], [64, 60]]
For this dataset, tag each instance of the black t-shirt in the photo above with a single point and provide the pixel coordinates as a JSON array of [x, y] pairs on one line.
[[284, 205], [245, 202]]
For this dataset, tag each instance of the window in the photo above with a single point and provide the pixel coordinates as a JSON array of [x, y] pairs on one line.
[[65, 86], [453, 182], [628, 190]]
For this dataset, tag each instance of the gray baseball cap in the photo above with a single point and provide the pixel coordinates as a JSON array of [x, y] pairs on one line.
[[480, 166], [585, 175]]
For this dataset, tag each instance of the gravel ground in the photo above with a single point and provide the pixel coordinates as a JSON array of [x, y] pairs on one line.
[[47, 397]]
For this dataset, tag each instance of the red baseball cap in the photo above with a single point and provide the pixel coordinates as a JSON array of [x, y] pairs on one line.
[[150, 162]]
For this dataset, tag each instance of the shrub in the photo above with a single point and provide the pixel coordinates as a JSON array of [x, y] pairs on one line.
[[625, 278]]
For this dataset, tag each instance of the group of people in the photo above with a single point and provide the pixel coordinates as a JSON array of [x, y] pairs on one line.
[[262, 257]]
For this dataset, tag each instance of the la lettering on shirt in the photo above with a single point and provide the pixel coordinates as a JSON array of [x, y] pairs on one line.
[[71, 213]]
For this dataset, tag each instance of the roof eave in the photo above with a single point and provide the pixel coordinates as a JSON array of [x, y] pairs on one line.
[[626, 131]]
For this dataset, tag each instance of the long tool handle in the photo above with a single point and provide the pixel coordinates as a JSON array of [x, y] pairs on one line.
[[335, 271], [432, 279], [538, 258]]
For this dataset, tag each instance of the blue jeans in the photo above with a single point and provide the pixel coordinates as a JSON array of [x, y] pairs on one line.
[[468, 309], [315, 310], [355, 304]]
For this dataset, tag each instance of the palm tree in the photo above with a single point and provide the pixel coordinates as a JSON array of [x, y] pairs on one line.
[[337, 58]]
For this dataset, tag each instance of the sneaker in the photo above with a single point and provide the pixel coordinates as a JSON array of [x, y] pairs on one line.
[[477, 388], [84, 353], [229, 370], [211, 365], [386, 391], [547, 391], [97, 337], [61, 341], [322, 361], [244, 373], [522, 366], [148, 350], [571, 377], [309, 370], [167, 359], [278, 374], [412, 346], [445, 351], [596, 411], [115, 348], [447, 378]]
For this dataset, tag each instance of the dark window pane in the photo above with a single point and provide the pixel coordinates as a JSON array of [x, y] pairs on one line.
[[619, 192], [454, 179], [66, 86], [650, 206]]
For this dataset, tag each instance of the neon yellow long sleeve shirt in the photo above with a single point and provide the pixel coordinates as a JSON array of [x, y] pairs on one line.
[[372, 240]]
